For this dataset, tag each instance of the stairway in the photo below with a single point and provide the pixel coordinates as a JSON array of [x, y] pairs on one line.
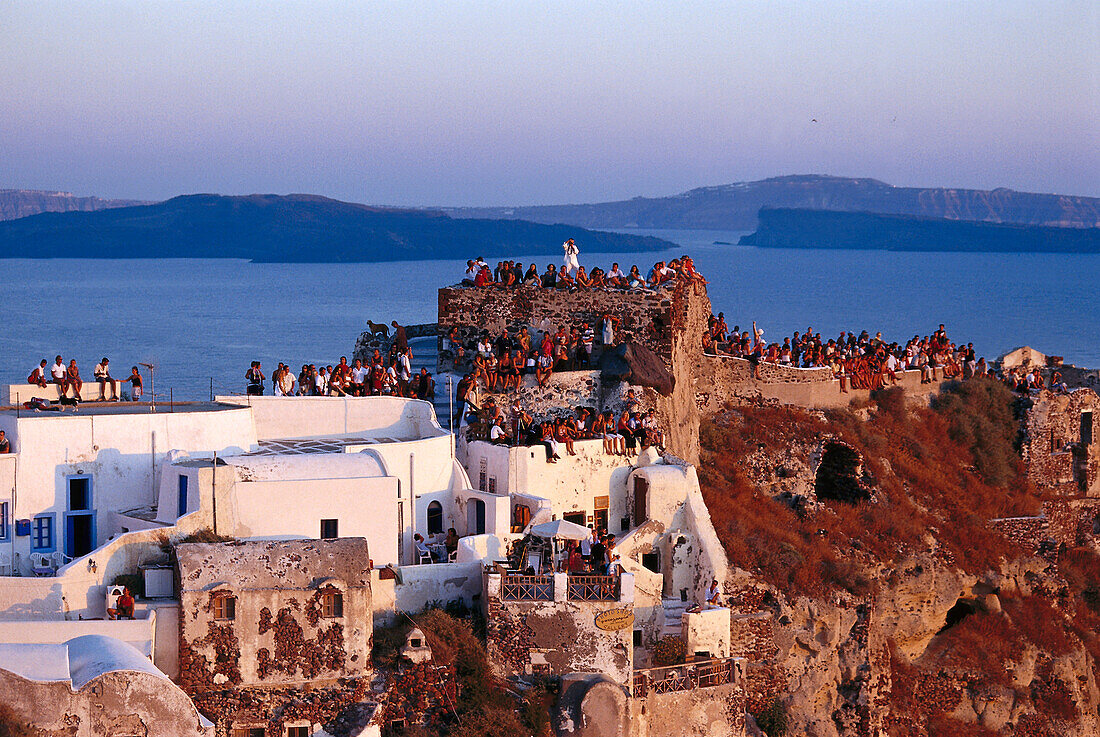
[[424, 354], [674, 615]]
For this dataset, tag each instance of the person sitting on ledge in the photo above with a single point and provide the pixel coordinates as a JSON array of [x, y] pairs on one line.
[[5, 444], [73, 377], [37, 376], [124, 606], [616, 278], [58, 375], [714, 594], [102, 375], [550, 278]]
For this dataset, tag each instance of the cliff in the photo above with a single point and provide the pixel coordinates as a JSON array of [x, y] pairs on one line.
[[292, 228], [794, 228], [21, 203], [939, 604], [734, 206]]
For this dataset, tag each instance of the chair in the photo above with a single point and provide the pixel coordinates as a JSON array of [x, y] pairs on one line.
[[42, 564], [5, 564], [423, 556], [60, 559]]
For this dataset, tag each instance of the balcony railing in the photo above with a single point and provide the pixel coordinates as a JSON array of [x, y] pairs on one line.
[[527, 588], [593, 588], [685, 677]]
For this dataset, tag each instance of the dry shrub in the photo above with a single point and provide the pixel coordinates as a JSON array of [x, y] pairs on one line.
[[1042, 625], [927, 485], [983, 646], [981, 416]]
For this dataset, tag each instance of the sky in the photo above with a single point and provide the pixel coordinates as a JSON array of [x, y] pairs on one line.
[[512, 103]]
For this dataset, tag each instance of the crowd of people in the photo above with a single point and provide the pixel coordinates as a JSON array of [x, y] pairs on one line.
[[67, 378], [859, 361], [377, 377], [573, 276], [626, 434], [500, 362]]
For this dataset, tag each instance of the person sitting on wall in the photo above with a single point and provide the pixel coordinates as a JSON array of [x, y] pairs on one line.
[[73, 376], [123, 606], [58, 375], [5, 444], [714, 594], [102, 374], [38, 374], [497, 434]]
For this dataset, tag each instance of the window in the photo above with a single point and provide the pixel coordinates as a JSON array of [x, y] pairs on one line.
[[182, 505], [5, 533], [637, 638], [42, 533], [225, 607], [297, 732], [492, 485], [80, 493], [435, 518], [330, 529], [483, 474], [248, 732], [332, 604]]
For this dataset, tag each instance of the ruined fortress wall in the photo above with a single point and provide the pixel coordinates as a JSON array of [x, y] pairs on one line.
[[671, 323], [473, 309], [1056, 456]]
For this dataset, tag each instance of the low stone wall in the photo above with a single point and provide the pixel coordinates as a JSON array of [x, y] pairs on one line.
[[717, 711], [722, 380], [1026, 532]]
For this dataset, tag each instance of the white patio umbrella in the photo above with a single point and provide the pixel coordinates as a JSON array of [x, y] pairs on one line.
[[560, 529]]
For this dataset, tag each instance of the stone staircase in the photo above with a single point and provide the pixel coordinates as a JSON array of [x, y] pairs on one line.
[[424, 354], [674, 615]]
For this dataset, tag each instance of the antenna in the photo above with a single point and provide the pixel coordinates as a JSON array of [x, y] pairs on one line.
[[152, 387]]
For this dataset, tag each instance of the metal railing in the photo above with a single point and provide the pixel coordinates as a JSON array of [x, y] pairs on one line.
[[527, 588], [686, 677], [593, 588]]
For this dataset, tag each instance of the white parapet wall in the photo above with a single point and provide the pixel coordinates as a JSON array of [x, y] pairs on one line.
[[302, 417]]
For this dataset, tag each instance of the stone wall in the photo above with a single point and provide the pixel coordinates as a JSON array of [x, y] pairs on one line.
[[1056, 455], [555, 637], [716, 711]]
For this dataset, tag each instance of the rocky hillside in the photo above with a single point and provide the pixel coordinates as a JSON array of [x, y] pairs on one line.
[[21, 203], [864, 540], [734, 206], [291, 228]]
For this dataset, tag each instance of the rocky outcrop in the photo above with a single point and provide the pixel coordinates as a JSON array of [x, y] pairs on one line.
[[636, 364]]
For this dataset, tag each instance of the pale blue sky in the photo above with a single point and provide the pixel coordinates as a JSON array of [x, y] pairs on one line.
[[434, 103]]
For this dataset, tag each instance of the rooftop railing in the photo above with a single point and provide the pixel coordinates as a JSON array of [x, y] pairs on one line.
[[593, 588], [527, 588], [686, 677]]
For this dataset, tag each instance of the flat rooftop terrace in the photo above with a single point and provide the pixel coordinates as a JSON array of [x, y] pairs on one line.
[[334, 444], [96, 409]]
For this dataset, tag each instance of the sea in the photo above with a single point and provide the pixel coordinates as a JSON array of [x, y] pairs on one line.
[[200, 322]]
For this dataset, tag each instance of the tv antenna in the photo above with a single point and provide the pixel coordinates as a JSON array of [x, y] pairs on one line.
[[152, 387]]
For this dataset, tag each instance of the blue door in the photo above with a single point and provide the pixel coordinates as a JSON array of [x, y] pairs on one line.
[[79, 533]]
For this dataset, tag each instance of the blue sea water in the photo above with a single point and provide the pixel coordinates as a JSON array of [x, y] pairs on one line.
[[201, 321]]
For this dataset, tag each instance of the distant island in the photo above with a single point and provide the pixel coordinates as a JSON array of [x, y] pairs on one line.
[[800, 228], [734, 206], [21, 203], [291, 228]]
